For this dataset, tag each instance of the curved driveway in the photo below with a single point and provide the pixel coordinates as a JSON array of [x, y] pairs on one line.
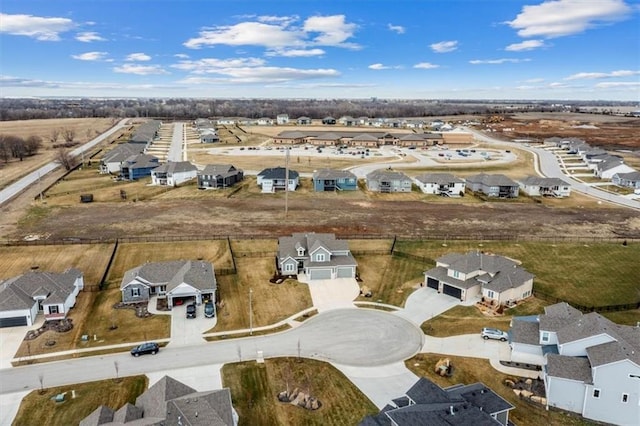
[[351, 337]]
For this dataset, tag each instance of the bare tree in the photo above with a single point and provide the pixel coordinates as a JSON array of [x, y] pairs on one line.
[[15, 145], [32, 144], [68, 134], [5, 152], [66, 160], [117, 367], [54, 135], [41, 380]]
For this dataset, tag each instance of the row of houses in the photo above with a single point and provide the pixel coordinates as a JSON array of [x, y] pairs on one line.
[[207, 129], [370, 139], [603, 165]]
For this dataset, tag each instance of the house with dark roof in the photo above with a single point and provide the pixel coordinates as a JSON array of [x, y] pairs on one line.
[[173, 173], [170, 402], [325, 139], [303, 120], [388, 181], [138, 166], [591, 364], [177, 280], [215, 176], [610, 166], [318, 256], [535, 186], [496, 185], [278, 179], [495, 278], [444, 184], [146, 132], [334, 180], [426, 403], [112, 160], [627, 180], [23, 297]]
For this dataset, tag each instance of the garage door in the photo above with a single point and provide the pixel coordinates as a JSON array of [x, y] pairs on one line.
[[452, 291], [345, 273], [320, 274], [13, 321], [433, 283]]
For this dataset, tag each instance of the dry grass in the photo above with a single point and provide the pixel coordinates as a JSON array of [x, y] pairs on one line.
[[473, 370], [370, 245], [91, 259], [270, 302], [391, 279], [40, 409], [254, 389], [254, 246]]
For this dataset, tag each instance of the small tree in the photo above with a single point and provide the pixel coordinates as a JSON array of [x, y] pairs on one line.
[[69, 135], [54, 135], [66, 160], [32, 144]]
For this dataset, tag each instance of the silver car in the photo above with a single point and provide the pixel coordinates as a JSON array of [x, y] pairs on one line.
[[493, 333]]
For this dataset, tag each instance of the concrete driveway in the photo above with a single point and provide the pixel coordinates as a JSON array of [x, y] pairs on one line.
[[10, 340], [188, 331], [333, 294], [426, 303]]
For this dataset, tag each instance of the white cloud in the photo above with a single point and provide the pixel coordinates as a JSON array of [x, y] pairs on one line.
[[497, 61], [38, 27], [618, 84], [91, 56], [262, 75], [181, 55], [595, 75], [295, 53], [396, 28], [334, 31], [141, 57], [247, 33], [378, 67], [525, 45], [140, 69], [8, 81], [213, 65], [426, 66], [557, 18], [444, 46], [534, 80], [89, 36]]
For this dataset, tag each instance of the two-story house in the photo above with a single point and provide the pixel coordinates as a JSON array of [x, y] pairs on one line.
[[173, 173], [318, 256], [495, 278], [219, 176], [591, 364], [388, 181], [278, 179], [138, 166], [496, 185], [444, 184], [334, 180]]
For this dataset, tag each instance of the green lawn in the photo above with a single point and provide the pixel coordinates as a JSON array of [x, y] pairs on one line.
[[589, 274]]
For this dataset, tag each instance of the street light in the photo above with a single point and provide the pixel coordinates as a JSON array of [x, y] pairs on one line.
[[250, 314]]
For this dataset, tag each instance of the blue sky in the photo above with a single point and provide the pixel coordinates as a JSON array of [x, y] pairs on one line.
[[401, 49]]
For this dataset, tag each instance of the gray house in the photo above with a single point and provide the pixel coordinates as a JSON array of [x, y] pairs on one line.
[[173, 173], [426, 403], [170, 402], [23, 297], [318, 256], [112, 160], [177, 280], [388, 181], [219, 176], [334, 180], [497, 185], [629, 180], [536, 186]]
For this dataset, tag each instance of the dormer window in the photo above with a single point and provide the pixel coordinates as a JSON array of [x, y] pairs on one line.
[[320, 257], [300, 251]]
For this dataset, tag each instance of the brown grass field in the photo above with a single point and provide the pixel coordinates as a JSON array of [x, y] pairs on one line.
[[254, 389], [85, 129], [473, 370], [39, 408], [391, 279]]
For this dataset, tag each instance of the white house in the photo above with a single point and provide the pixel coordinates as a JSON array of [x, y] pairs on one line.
[[173, 173], [282, 119], [611, 166], [629, 180], [277, 178], [444, 184], [591, 364], [23, 297], [535, 186]]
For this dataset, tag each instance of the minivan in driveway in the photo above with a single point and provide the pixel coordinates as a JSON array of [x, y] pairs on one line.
[[191, 310], [209, 310]]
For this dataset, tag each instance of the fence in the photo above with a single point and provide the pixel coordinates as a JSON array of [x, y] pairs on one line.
[[582, 308]]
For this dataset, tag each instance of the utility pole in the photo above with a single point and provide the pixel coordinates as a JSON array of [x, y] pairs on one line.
[[40, 187], [286, 183], [250, 313]]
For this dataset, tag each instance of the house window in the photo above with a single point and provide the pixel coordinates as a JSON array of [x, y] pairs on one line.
[[135, 292], [596, 393], [456, 274], [320, 257], [490, 294], [300, 251], [53, 309], [545, 336], [288, 267], [526, 294], [625, 397]]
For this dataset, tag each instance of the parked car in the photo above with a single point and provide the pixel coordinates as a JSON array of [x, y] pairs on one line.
[[145, 348], [494, 333], [191, 310], [209, 310]]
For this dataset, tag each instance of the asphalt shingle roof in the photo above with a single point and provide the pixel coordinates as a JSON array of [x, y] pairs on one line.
[[19, 292], [569, 367], [439, 178], [333, 174], [198, 274], [176, 167], [278, 173], [491, 180], [526, 332]]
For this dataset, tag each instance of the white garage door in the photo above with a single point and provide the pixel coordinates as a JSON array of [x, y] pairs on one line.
[[345, 273], [320, 274]]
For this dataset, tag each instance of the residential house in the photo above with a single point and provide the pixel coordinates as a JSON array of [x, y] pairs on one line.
[[23, 297], [426, 403], [318, 256], [346, 120], [209, 136], [170, 402], [497, 279], [113, 159], [497, 185], [264, 121], [535, 186], [611, 166], [591, 364], [282, 119], [215, 176], [138, 166], [328, 120], [303, 121], [173, 173], [146, 132], [444, 184], [628, 180], [388, 181], [334, 180], [177, 280], [278, 179]]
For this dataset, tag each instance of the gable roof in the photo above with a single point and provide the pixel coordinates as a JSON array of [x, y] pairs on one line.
[[99, 416], [154, 401], [278, 173], [121, 152], [19, 292], [491, 180], [527, 332], [387, 174], [141, 161], [198, 274], [569, 367], [212, 408], [439, 178], [543, 181], [630, 176], [333, 174], [175, 167]]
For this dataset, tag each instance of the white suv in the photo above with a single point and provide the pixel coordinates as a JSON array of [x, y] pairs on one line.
[[494, 333]]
